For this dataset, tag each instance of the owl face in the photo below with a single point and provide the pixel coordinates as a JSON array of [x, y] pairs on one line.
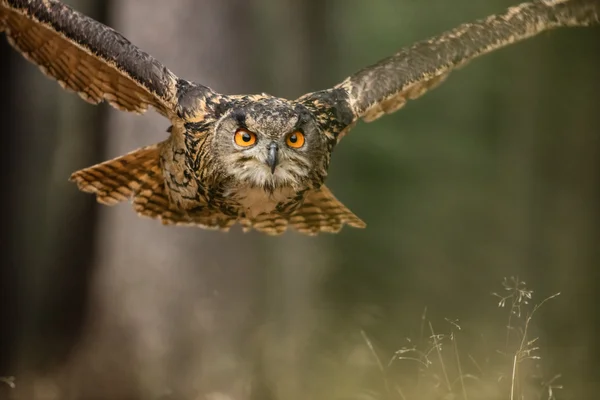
[[271, 143]]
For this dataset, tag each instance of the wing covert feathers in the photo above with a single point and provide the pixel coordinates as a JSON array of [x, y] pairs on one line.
[[87, 57], [122, 178], [386, 86], [138, 176], [320, 212]]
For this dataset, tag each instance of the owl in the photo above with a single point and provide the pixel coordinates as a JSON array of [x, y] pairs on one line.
[[257, 160]]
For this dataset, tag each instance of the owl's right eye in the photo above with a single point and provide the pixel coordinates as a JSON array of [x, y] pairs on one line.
[[244, 138]]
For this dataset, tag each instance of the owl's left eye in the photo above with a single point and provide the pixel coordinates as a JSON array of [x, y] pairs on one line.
[[244, 138], [295, 140]]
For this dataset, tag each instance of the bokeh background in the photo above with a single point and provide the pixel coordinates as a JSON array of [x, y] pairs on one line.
[[494, 174]]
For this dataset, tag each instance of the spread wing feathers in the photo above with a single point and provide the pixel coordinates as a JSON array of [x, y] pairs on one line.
[[320, 212], [87, 57], [120, 179], [153, 202], [138, 175], [385, 87]]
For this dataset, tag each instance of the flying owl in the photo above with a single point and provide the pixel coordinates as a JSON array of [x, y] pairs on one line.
[[258, 160]]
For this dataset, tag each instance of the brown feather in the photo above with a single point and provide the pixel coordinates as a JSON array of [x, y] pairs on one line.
[[320, 212], [138, 175], [87, 57], [120, 179], [153, 202], [385, 87]]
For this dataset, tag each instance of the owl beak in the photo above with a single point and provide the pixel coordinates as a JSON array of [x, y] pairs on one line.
[[273, 149]]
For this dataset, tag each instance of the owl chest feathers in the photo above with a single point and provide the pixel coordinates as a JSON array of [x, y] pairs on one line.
[[254, 201]]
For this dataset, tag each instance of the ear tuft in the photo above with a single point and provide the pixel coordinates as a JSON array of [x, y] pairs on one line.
[[221, 108]]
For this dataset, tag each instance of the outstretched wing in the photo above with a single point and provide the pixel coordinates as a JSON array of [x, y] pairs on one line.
[[384, 87], [87, 57]]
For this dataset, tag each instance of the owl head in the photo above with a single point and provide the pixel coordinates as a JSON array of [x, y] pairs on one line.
[[271, 143]]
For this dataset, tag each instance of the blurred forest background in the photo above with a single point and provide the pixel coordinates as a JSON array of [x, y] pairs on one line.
[[494, 174]]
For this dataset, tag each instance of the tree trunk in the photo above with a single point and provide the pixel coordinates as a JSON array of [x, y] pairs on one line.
[[172, 307], [49, 227]]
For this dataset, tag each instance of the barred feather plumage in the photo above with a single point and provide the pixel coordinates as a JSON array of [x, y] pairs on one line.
[[201, 176]]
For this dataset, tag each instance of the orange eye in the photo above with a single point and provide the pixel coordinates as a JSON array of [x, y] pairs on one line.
[[295, 140], [244, 138]]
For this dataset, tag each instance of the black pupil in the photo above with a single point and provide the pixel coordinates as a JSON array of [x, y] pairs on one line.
[[246, 137], [293, 138]]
